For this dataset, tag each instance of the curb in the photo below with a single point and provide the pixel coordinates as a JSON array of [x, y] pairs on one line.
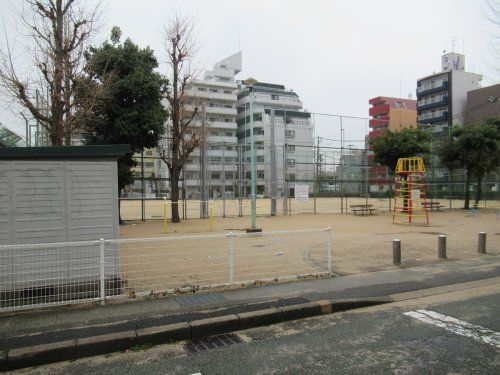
[[120, 341]]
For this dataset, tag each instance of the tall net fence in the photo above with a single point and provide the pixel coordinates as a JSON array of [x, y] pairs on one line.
[[328, 176]]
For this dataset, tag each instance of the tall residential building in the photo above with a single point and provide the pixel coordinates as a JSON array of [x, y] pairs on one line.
[[442, 97], [216, 93], [386, 114], [293, 132]]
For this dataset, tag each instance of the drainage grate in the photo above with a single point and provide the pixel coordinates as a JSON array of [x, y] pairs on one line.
[[213, 342]]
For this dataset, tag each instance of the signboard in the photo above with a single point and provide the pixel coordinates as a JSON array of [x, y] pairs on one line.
[[301, 193]]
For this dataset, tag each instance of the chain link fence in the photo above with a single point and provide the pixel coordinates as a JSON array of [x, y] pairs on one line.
[[332, 177]]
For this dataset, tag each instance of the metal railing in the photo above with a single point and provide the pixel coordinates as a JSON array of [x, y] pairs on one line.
[[38, 275]]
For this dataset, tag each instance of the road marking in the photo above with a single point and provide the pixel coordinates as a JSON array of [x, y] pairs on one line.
[[459, 327]]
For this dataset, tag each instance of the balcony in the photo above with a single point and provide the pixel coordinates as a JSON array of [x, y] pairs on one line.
[[427, 89], [430, 117], [222, 125], [378, 110], [222, 139], [221, 110], [209, 95], [379, 122], [428, 103], [376, 100], [376, 133]]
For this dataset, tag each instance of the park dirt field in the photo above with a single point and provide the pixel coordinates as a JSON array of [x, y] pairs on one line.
[[361, 244]]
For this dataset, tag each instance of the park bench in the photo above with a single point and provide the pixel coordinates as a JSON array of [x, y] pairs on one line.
[[433, 206], [362, 209]]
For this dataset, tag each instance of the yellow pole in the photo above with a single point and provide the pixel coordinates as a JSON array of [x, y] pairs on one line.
[[211, 217], [165, 215]]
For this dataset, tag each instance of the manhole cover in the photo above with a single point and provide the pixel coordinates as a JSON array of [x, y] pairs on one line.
[[213, 342]]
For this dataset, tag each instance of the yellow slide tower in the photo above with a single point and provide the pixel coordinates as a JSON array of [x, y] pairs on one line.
[[410, 204]]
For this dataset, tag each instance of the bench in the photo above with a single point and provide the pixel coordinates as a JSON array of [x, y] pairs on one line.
[[362, 208], [433, 206]]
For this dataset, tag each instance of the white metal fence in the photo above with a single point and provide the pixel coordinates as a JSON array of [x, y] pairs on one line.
[[74, 272]]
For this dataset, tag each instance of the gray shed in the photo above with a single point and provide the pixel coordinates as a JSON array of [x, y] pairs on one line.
[[56, 194]]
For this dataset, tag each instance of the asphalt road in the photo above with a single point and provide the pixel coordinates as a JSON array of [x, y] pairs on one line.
[[375, 340]]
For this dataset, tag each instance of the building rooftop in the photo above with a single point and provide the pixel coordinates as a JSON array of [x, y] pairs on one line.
[[395, 103]]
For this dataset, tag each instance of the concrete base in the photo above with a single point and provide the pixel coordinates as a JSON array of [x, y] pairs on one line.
[[254, 230]]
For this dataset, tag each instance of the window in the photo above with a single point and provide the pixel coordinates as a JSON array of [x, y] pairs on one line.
[[290, 148], [214, 90], [202, 89], [275, 97], [228, 134], [260, 175], [215, 175], [260, 159], [227, 92], [290, 162], [290, 133], [291, 177], [227, 106]]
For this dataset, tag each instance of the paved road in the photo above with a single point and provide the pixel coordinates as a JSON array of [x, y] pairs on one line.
[[373, 340]]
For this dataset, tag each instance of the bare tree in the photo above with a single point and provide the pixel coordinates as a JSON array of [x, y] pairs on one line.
[[184, 130], [57, 33]]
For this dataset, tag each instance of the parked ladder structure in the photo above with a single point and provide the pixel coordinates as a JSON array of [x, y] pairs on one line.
[[410, 205]]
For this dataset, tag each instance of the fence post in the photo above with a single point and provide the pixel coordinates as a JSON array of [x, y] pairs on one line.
[[442, 246], [396, 252], [231, 257], [101, 273], [330, 232], [481, 243]]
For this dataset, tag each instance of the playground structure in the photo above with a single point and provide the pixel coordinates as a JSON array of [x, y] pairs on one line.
[[410, 205]]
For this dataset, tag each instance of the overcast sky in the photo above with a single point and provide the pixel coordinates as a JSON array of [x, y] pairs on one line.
[[335, 54]]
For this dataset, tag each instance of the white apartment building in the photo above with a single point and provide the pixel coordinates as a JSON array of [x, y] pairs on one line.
[[217, 94], [442, 97], [292, 128]]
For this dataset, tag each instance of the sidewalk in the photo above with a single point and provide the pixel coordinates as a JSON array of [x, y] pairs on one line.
[[67, 324]]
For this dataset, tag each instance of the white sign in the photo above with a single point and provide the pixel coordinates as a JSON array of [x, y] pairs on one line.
[[301, 193]]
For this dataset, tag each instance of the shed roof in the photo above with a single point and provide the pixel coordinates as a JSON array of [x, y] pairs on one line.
[[65, 152]]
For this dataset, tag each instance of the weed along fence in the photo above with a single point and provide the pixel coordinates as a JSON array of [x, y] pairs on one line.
[[74, 272]]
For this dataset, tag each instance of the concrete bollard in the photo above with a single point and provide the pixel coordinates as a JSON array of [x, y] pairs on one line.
[[481, 243], [396, 252], [442, 246]]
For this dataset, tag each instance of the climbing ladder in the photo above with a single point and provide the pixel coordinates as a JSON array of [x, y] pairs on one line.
[[410, 205]]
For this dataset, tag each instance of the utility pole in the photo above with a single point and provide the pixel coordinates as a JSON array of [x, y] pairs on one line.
[[341, 167], [252, 169], [204, 198], [273, 165], [240, 180], [316, 172], [285, 177], [224, 179], [143, 205]]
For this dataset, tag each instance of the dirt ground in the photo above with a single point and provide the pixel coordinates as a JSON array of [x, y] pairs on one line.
[[360, 243]]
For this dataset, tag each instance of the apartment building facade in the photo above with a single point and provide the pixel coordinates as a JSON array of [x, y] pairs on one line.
[[442, 96], [387, 113], [483, 103], [215, 93], [293, 137]]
